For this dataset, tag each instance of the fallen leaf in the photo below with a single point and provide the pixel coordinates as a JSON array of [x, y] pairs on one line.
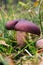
[[9, 60], [36, 3], [41, 62], [2, 42]]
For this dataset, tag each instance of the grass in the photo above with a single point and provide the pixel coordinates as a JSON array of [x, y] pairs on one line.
[[31, 13]]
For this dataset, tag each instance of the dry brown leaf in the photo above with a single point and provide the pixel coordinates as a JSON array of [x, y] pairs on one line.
[[28, 62], [41, 62], [10, 61]]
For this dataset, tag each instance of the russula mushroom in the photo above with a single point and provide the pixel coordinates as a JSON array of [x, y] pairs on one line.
[[39, 43], [22, 27]]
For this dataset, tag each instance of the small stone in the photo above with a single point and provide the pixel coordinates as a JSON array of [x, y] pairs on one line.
[[39, 43]]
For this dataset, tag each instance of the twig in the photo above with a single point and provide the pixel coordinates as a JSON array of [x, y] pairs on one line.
[[22, 50], [28, 52]]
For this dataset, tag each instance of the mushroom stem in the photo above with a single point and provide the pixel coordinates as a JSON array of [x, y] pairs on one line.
[[21, 37]]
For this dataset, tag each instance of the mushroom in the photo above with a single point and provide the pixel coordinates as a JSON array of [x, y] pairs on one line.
[[39, 43], [22, 27]]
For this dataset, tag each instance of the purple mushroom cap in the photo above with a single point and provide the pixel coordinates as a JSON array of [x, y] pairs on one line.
[[23, 25], [10, 24]]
